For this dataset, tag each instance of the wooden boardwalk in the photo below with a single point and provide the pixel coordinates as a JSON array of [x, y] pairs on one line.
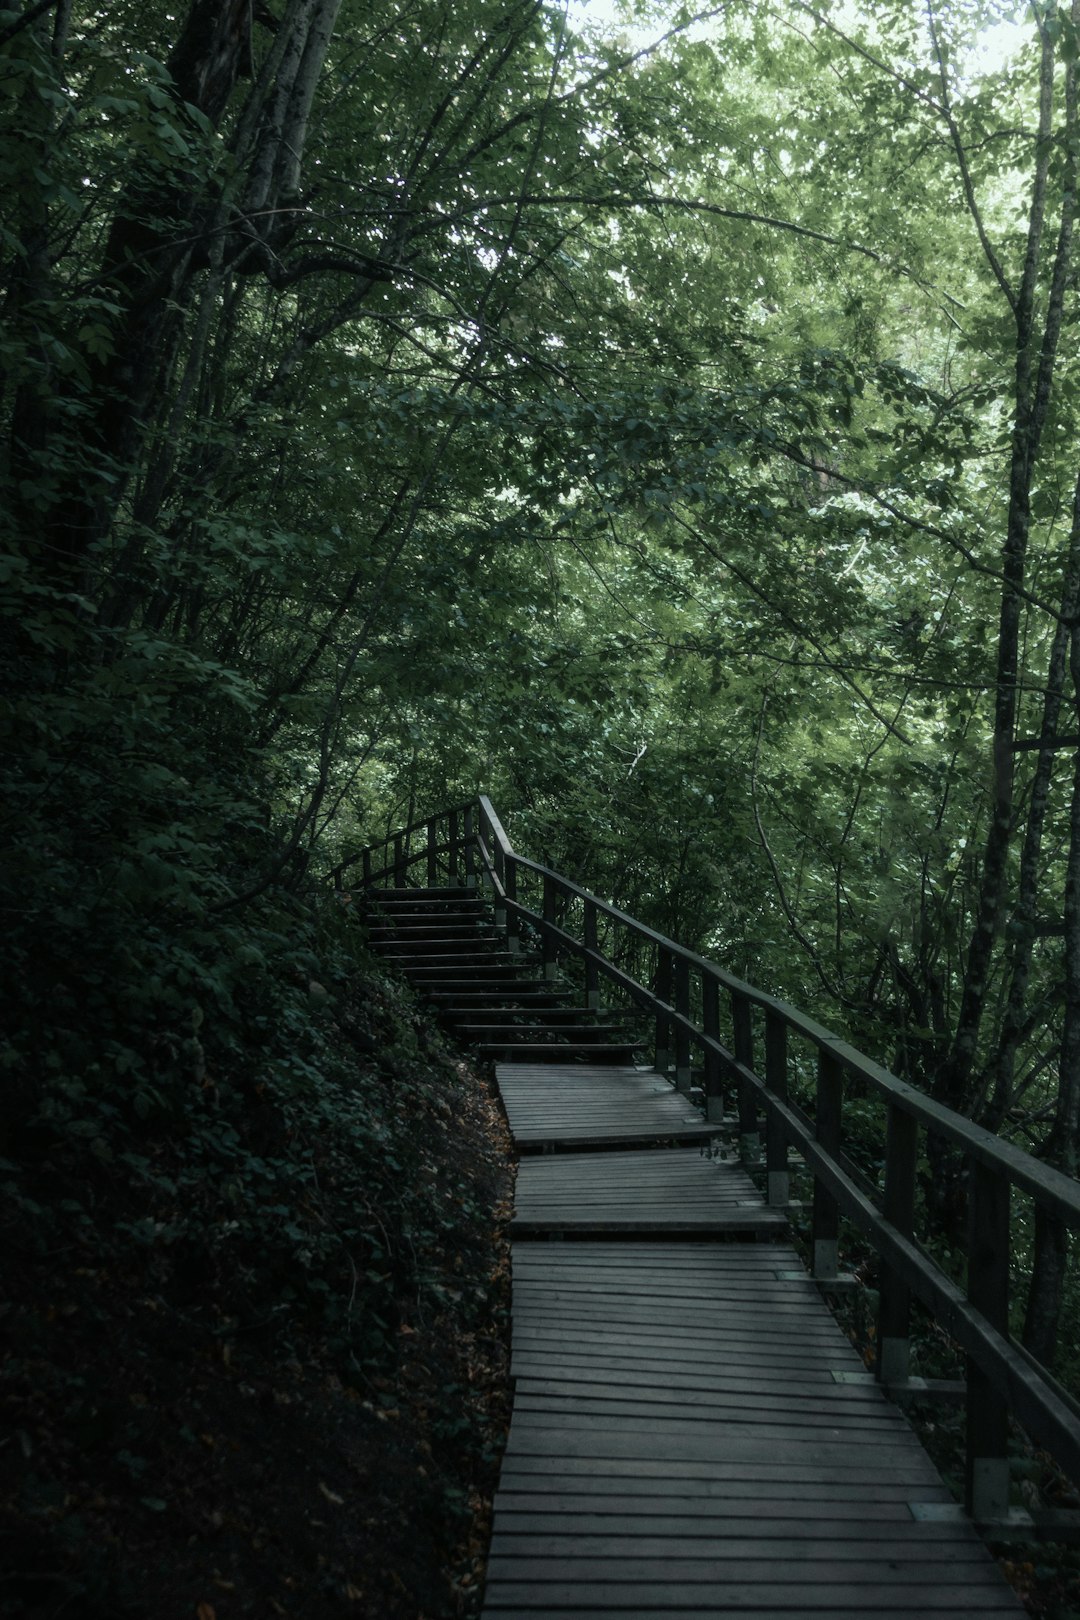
[[692, 1433]]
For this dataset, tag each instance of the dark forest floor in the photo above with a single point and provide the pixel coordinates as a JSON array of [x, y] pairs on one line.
[[159, 1461], [168, 1451]]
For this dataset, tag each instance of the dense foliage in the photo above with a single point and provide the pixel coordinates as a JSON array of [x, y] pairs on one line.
[[668, 428]]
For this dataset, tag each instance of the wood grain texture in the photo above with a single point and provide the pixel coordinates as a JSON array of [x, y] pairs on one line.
[[551, 1105], [669, 1190], [693, 1436]]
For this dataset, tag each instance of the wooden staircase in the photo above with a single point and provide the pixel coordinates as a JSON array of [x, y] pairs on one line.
[[614, 1154], [497, 1001]]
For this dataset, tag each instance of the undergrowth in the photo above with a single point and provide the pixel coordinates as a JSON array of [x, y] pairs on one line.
[[253, 1318]]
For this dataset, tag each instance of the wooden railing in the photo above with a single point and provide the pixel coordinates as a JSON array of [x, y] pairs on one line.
[[440, 850], [760, 1055]]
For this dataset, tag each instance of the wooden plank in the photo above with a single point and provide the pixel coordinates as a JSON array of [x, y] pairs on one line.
[[556, 1103], [807, 1468], [717, 1400], [629, 1373], [825, 1542], [555, 1559], [667, 1189], [969, 1610], [678, 1432], [603, 1436], [868, 1597], [680, 1438], [780, 1518]]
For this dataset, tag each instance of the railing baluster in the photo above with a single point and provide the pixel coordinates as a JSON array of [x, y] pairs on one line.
[[826, 1219], [898, 1207], [776, 1079], [999, 1378], [470, 847], [987, 1481], [682, 1034], [592, 972], [548, 943], [509, 869], [454, 855], [663, 1022], [742, 1022], [710, 1019]]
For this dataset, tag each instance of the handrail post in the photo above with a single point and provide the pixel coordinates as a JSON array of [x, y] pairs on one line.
[[987, 1470], [592, 972], [509, 879], [710, 1023], [399, 861], [682, 1034], [826, 1217], [548, 943], [742, 1022], [662, 992], [776, 1080], [470, 847], [432, 858], [366, 868], [454, 853], [898, 1208]]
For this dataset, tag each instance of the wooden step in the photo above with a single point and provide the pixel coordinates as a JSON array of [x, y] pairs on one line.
[[664, 1190], [445, 985], [429, 940], [551, 1105], [491, 956], [420, 897], [494, 997], [609, 1033], [422, 969], [556, 1052], [493, 1012], [411, 922]]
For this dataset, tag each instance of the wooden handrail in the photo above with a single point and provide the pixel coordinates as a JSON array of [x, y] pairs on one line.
[[1002, 1376]]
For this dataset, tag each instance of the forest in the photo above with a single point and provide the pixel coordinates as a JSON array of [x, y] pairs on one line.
[[665, 420]]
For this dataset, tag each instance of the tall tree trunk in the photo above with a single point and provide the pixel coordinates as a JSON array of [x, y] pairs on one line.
[[1063, 1148], [1035, 362], [146, 270], [1024, 915]]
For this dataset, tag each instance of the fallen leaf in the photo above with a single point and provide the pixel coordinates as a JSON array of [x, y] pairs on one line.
[[205, 1611], [331, 1496]]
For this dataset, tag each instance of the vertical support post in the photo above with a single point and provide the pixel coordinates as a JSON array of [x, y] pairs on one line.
[[548, 944], [470, 847], [432, 858], [776, 1079], [826, 1218], [400, 869], [898, 1208], [454, 856], [987, 1481], [366, 868], [592, 972], [743, 1025], [682, 1034], [509, 866], [662, 991], [710, 1023], [494, 847]]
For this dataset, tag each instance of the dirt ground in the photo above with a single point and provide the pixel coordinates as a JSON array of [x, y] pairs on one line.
[[151, 1469]]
